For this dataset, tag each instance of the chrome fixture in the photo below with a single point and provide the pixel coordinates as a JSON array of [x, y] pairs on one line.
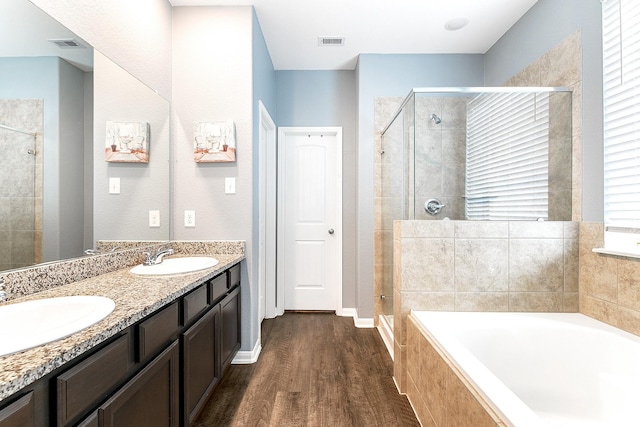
[[98, 252], [433, 206], [156, 258], [435, 119]]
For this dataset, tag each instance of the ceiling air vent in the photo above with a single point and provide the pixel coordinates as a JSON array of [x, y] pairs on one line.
[[67, 43], [330, 41]]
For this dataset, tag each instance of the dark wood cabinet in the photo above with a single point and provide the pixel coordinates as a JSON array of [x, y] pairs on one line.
[[201, 364], [150, 399], [230, 327], [159, 371], [19, 413]]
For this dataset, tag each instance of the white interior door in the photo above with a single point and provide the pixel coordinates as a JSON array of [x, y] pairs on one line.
[[310, 226]]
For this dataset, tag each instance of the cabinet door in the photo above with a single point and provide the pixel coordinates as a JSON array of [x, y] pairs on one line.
[[200, 363], [150, 399], [18, 413], [230, 327]]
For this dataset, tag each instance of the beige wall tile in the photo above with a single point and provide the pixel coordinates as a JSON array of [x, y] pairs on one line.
[[482, 301], [592, 231], [464, 409], [427, 264], [598, 309], [536, 265], [598, 274], [570, 302], [571, 265], [433, 382], [481, 229], [481, 265], [536, 302], [428, 229], [629, 283]]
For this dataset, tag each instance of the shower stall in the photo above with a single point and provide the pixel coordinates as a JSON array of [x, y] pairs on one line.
[[21, 122], [470, 154]]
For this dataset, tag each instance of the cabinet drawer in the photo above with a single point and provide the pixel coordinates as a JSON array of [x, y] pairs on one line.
[[18, 413], [90, 380], [218, 286], [194, 303], [234, 276], [157, 331]]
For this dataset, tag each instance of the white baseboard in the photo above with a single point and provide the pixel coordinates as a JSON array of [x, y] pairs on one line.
[[358, 322], [387, 335], [248, 357]]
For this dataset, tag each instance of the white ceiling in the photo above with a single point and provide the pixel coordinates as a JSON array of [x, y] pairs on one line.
[[291, 27]]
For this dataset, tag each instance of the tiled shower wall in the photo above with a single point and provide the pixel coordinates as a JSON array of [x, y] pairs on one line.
[[20, 183], [534, 266], [437, 171]]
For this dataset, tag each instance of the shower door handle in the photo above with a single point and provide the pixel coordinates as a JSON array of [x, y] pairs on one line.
[[331, 231]]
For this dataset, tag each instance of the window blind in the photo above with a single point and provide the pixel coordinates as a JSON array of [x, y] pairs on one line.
[[507, 157], [621, 56]]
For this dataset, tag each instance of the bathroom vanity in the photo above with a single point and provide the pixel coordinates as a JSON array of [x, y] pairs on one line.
[[153, 361]]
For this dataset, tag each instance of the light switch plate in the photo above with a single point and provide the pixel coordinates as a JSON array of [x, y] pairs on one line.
[[230, 185], [189, 218], [114, 185], [154, 218]]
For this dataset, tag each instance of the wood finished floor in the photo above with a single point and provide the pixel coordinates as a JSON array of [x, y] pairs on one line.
[[314, 370]]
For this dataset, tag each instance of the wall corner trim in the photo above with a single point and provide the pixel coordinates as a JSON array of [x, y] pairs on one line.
[[248, 357], [358, 322]]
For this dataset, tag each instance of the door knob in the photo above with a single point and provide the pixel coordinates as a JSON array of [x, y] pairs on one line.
[[331, 231]]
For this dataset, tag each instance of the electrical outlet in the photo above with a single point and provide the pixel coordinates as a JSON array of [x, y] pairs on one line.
[[189, 218], [154, 218], [114, 185]]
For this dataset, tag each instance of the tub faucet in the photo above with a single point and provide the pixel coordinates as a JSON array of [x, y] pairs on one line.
[[156, 257]]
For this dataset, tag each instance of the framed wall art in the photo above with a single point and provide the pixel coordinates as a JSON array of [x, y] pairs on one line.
[[214, 142], [127, 142]]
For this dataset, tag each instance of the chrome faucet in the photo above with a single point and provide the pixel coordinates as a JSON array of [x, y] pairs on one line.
[[156, 257]]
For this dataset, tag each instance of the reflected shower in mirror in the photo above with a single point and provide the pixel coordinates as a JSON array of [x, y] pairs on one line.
[[66, 206]]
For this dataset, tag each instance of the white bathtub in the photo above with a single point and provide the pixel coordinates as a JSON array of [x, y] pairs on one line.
[[546, 369]]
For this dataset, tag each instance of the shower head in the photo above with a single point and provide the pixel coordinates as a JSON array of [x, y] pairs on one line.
[[435, 119]]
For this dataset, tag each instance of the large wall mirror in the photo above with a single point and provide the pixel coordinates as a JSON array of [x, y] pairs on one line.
[[57, 101]]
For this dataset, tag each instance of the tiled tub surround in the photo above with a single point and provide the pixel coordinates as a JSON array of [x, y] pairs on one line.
[[456, 377], [481, 266], [609, 284], [135, 297]]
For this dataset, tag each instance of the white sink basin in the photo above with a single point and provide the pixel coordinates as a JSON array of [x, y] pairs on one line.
[[32, 323], [175, 266]]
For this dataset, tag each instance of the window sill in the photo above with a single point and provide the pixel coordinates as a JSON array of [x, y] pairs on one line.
[[606, 251]]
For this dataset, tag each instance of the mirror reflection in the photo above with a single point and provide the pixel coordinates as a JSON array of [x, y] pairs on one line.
[[55, 100]]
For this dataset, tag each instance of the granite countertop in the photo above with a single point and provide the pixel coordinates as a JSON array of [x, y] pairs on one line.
[[135, 297]]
